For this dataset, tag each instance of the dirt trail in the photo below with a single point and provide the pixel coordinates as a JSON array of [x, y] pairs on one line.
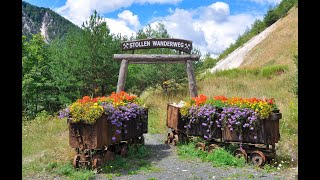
[[165, 158], [235, 59]]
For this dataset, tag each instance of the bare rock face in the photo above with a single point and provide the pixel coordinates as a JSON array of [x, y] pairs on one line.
[[28, 25], [44, 21]]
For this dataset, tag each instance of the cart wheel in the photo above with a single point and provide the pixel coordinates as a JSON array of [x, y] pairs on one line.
[[212, 147], [124, 151], [200, 146], [183, 138], [170, 137], [176, 139], [141, 140], [109, 155], [76, 160], [238, 153], [167, 141], [258, 158], [96, 163]]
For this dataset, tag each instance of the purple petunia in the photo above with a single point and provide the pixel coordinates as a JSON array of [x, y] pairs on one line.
[[64, 113], [120, 115], [113, 138]]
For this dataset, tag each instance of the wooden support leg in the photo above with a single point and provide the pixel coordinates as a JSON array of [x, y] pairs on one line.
[[122, 75], [192, 80]]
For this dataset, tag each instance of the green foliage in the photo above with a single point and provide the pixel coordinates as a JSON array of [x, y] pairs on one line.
[[82, 63], [69, 171], [220, 156], [205, 63], [279, 11], [272, 15], [37, 82], [216, 103]]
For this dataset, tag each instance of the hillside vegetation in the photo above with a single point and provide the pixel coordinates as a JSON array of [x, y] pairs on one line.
[[36, 19], [269, 70], [273, 14], [278, 47]]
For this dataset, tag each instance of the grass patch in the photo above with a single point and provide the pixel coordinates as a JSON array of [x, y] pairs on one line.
[[135, 163], [240, 176], [264, 72], [45, 144], [156, 100], [51, 154], [70, 172], [278, 47], [221, 157]]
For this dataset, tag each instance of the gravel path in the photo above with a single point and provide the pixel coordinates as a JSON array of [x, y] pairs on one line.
[[165, 159]]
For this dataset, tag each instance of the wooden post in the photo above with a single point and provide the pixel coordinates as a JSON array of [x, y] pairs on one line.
[[191, 79], [122, 75]]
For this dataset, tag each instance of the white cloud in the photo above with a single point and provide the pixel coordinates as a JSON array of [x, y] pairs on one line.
[[212, 29], [130, 18], [127, 24], [78, 10], [218, 11], [266, 1], [117, 26]]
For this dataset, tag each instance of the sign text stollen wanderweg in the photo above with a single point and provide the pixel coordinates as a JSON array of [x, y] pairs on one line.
[[178, 44]]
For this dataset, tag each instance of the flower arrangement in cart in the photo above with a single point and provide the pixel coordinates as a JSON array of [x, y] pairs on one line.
[[118, 107], [234, 113]]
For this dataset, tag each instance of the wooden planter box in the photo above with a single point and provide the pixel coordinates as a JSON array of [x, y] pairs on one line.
[[132, 130], [174, 119], [197, 129], [92, 136], [267, 132], [176, 122]]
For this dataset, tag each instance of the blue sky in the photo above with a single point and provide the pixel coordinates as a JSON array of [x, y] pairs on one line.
[[211, 25]]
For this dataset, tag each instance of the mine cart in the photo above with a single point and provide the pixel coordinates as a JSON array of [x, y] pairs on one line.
[[256, 146], [98, 142], [259, 145]]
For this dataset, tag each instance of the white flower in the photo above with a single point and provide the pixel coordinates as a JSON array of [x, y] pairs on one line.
[[181, 103]]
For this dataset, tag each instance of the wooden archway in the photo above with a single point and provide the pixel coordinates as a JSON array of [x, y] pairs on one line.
[[179, 44]]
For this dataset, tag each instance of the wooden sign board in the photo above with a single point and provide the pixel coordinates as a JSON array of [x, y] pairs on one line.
[[178, 44]]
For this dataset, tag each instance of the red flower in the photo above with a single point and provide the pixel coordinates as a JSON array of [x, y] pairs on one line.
[[201, 99], [221, 98]]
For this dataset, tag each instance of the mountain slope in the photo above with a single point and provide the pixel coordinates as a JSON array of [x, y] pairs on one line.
[[44, 20], [278, 47], [250, 53]]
